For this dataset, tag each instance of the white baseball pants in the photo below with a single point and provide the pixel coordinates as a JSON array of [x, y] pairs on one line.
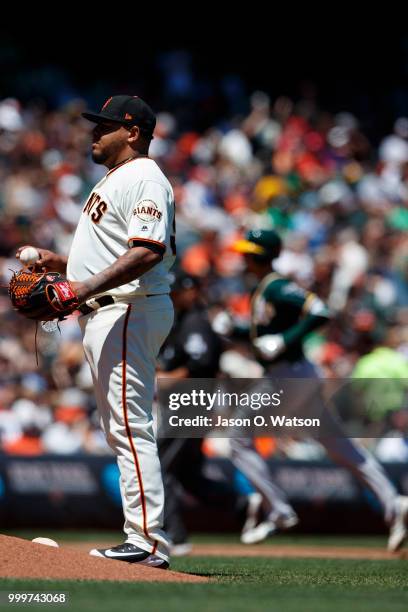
[[121, 343], [345, 451]]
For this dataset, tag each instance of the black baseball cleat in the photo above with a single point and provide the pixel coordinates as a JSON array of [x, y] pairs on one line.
[[131, 554]]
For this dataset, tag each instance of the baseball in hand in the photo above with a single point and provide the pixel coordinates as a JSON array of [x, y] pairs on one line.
[[46, 541], [29, 256]]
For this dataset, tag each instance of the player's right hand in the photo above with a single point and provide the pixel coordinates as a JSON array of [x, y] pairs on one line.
[[270, 346], [48, 262]]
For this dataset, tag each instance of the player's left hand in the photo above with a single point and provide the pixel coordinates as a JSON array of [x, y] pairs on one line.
[[270, 346], [42, 296]]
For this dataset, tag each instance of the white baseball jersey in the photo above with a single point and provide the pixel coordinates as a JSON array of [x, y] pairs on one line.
[[133, 205]]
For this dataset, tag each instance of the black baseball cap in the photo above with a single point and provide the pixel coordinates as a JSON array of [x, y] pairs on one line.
[[127, 110]]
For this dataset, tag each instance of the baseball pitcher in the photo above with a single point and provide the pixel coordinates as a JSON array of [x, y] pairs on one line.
[[122, 250]]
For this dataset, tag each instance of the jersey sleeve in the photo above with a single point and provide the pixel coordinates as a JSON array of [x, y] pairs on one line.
[[286, 292], [149, 210], [312, 312]]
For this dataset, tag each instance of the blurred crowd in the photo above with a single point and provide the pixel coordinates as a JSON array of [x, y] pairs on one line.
[[339, 202]]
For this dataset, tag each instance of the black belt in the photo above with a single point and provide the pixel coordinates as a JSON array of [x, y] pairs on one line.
[[106, 300]]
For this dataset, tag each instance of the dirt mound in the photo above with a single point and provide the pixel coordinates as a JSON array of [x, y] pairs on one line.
[[24, 559]]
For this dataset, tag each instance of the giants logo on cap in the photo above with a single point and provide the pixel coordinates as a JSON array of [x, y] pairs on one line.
[[147, 211]]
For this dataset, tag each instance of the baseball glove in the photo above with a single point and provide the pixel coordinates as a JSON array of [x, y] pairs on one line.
[[42, 296]]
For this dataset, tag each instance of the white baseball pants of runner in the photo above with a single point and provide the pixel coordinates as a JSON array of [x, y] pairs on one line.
[[121, 343], [343, 451]]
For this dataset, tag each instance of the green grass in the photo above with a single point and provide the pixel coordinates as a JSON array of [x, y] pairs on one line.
[[246, 585], [285, 539]]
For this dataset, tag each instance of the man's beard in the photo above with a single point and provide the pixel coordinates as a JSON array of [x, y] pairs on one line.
[[99, 157]]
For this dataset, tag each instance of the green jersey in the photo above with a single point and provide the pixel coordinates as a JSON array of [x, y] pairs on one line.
[[281, 306]]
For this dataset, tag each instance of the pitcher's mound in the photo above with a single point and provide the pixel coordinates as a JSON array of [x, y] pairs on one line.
[[23, 559]]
